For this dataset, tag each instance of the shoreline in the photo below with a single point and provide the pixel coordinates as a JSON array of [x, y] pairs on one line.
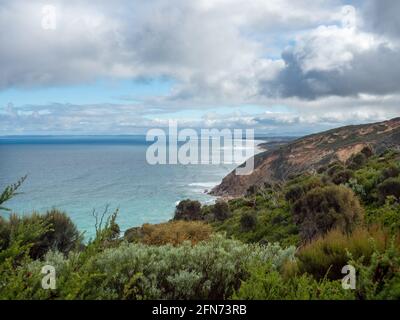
[[259, 147]]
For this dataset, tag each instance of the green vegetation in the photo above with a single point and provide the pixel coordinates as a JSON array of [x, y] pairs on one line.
[[287, 240], [174, 232], [188, 210], [326, 208], [325, 256]]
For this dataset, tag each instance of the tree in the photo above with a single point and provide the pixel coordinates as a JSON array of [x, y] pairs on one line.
[[188, 210], [390, 187], [325, 208], [248, 221], [342, 177], [221, 211], [357, 161], [391, 171], [62, 236]]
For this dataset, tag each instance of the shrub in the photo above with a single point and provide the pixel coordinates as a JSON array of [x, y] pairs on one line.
[[391, 171], [221, 210], [357, 161], [248, 221], [266, 283], [334, 168], [380, 279], [273, 224], [387, 215], [188, 210], [211, 269], [252, 190], [294, 193], [58, 233], [390, 187], [322, 169], [342, 177], [5, 234], [19, 236], [175, 233], [327, 255], [357, 188], [298, 189], [325, 208], [368, 151], [367, 179], [62, 236]]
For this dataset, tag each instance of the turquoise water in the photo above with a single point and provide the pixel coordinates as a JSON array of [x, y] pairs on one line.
[[79, 174]]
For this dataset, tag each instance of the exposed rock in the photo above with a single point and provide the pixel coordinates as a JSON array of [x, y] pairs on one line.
[[309, 153]]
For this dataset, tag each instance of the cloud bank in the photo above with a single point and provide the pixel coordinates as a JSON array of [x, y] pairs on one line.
[[325, 63]]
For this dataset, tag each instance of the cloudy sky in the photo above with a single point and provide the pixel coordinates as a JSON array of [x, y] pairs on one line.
[[119, 67]]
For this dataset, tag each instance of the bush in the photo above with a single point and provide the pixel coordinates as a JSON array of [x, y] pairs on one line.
[[298, 189], [265, 283], [327, 255], [387, 215], [323, 209], [294, 193], [357, 161], [59, 233], [63, 236], [221, 210], [211, 269], [248, 221], [368, 151], [175, 233], [391, 171], [380, 279], [334, 168], [188, 210], [390, 187], [5, 234], [342, 177], [252, 190]]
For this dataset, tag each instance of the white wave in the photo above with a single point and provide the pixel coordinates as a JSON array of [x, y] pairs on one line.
[[203, 184]]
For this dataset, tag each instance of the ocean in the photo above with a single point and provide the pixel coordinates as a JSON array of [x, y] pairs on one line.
[[79, 174]]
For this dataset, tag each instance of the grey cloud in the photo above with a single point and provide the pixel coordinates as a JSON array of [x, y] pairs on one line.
[[344, 61], [382, 16], [217, 52], [375, 72], [180, 39]]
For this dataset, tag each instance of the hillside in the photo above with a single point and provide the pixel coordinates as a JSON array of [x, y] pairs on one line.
[[311, 152]]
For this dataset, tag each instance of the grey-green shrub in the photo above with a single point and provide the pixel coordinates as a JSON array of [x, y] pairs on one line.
[[211, 269]]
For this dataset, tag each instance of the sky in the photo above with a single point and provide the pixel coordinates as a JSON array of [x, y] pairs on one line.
[[122, 67]]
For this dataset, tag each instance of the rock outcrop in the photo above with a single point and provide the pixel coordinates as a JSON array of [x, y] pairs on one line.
[[309, 153]]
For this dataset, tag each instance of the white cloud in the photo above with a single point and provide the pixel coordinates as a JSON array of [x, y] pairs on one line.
[[326, 62]]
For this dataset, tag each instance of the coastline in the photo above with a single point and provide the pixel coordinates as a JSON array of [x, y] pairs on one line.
[[259, 148]]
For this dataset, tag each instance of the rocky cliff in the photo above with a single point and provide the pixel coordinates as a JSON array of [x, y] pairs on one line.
[[311, 152]]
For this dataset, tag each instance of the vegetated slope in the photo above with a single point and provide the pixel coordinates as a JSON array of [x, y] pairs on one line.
[[311, 152]]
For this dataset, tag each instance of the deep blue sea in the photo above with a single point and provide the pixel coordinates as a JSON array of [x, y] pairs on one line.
[[79, 174]]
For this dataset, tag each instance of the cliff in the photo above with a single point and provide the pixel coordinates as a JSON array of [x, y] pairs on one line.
[[309, 153]]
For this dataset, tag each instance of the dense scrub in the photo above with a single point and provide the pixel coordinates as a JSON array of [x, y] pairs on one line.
[[287, 240], [174, 232], [211, 269]]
